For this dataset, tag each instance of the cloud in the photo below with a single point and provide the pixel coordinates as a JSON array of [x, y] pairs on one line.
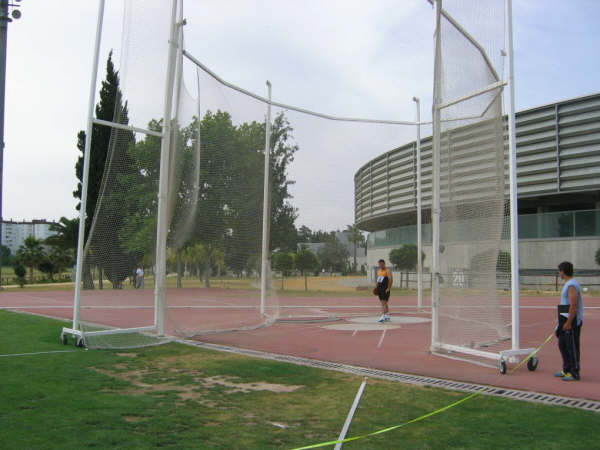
[[350, 58]]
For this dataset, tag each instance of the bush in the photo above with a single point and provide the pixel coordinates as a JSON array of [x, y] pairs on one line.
[[482, 259], [20, 273]]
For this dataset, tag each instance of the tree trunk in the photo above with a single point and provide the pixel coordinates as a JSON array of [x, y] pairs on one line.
[[100, 276], [282, 286], [88, 279], [305, 282], [179, 270], [354, 268], [207, 271], [30, 274]]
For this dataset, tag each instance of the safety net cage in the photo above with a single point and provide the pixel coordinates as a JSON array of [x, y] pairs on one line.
[[204, 187], [470, 167]]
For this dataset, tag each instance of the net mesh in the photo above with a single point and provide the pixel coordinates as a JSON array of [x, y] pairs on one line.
[[472, 177], [214, 202]]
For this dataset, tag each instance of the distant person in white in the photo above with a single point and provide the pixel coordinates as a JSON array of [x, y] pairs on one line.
[[139, 278]]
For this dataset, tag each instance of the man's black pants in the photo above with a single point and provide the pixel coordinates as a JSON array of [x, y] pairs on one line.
[[569, 346]]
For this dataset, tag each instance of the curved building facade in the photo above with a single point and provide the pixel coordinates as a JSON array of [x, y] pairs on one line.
[[558, 177]]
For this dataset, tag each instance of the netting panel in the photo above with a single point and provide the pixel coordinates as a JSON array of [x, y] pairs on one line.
[[472, 181]]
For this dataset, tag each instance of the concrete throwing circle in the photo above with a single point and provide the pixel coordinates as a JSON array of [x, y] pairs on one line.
[[400, 320], [370, 323], [361, 326]]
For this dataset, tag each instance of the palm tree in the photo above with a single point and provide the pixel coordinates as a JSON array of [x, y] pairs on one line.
[[61, 258], [356, 237], [31, 253], [67, 231], [205, 256]]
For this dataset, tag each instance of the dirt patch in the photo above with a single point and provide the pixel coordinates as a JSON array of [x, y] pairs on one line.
[[196, 389], [133, 419], [247, 387], [127, 355]]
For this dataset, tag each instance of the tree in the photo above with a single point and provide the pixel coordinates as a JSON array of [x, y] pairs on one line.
[[66, 233], [334, 256], [304, 234], [106, 250], [48, 267], [203, 258], [110, 96], [356, 238], [306, 261], [30, 254], [481, 261], [503, 264], [405, 259], [61, 258], [283, 262], [20, 273], [7, 258]]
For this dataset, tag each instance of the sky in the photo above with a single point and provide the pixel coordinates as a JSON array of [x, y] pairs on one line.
[[350, 58]]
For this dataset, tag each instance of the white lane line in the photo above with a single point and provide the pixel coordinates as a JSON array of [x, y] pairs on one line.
[[37, 353], [381, 339]]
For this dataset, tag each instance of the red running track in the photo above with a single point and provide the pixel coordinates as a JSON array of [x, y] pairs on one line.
[[403, 349]]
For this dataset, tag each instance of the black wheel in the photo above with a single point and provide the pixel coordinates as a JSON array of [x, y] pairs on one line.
[[502, 366], [532, 363], [64, 339]]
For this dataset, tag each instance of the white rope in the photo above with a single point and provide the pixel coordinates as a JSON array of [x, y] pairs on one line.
[[293, 108]]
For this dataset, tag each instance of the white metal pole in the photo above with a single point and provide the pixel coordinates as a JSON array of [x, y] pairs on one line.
[[435, 200], [163, 187], [512, 151], [266, 209], [177, 92], [419, 206], [350, 416], [86, 167]]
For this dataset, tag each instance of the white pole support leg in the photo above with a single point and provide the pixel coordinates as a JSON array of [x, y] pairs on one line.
[[435, 203], [350, 416], [86, 169], [266, 209], [162, 220], [419, 224], [512, 164]]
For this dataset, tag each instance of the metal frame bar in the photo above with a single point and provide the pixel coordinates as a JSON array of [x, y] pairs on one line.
[[122, 126], [435, 181], [350, 416], [162, 219], [419, 210], [266, 207], [290, 107], [508, 355], [478, 92], [118, 331], [512, 164], [557, 130], [470, 38], [86, 167]]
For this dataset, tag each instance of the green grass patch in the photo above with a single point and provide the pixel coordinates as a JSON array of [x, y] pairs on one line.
[[177, 396]]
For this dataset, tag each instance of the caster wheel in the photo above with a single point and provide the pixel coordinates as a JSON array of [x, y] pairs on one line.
[[79, 342], [64, 339], [502, 366], [532, 363]]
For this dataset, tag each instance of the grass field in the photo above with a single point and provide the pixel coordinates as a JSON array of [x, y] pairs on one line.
[[177, 396]]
